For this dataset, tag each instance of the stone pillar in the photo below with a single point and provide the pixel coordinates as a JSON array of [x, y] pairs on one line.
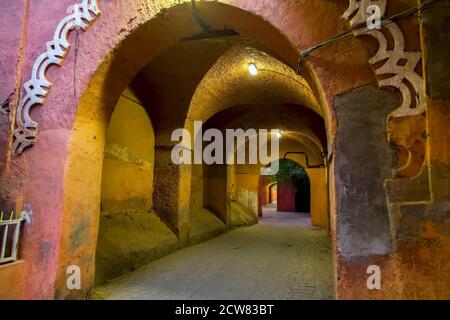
[[319, 195], [171, 192], [217, 197]]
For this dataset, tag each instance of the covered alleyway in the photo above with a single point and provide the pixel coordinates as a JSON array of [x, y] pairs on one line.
[[283, 247], [142, 166]]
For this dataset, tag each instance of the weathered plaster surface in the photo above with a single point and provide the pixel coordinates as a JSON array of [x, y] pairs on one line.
[[12, 32], [363, 225], [129, 241], [437, 38]]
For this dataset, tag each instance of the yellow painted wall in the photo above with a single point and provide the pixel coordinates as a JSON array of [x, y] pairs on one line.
[[127, 176], [245, 195], [319, 197], [207, 208], [197, 184], [267, 194], [274, 194], [215, 190]]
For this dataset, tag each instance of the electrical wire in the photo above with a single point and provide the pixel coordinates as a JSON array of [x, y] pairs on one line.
[[207, 31], [362, 29], [202, 24]]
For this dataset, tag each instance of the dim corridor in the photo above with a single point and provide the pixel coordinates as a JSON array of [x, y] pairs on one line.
[[282, 257]]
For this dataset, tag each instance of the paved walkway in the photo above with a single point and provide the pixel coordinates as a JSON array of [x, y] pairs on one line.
[[282, 257]]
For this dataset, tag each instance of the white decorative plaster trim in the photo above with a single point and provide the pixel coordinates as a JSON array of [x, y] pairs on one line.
[[37, 88], [399, 66], [358, 10]]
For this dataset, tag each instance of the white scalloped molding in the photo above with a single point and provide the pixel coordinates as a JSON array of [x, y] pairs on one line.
[[37, 88], [399, 68]]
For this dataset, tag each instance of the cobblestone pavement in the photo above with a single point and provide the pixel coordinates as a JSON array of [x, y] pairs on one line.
[[282, 257]]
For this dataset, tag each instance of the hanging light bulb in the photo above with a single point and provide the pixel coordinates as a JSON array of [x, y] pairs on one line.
[[252, 69]]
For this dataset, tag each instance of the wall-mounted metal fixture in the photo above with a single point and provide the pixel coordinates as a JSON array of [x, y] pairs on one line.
[[306, 158], [361, 29], [207, 31], [9, 242], [5, 105]]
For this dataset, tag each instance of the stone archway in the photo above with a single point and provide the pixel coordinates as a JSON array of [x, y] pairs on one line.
[[92, 116]]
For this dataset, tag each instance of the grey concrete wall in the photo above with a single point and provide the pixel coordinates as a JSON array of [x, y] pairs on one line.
[[363, 162]]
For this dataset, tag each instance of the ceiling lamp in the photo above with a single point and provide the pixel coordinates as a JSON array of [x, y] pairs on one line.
[[252, 69]]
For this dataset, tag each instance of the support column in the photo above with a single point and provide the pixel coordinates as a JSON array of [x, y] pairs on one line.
[[319, 194], [229, 194], [217, 196], [361, 166], [171, 193]]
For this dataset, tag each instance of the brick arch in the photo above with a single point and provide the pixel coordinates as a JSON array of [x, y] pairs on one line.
[[275, 81]]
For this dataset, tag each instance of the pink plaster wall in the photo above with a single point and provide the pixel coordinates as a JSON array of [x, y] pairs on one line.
[[12, 25], [13, 22]]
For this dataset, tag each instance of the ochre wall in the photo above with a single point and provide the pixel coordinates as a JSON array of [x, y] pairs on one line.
[[215, 190], [319, 197], [245, 195], [269, 191], [127, 177], [197, 200], [207, 207], [274, 194], [12, 280]]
